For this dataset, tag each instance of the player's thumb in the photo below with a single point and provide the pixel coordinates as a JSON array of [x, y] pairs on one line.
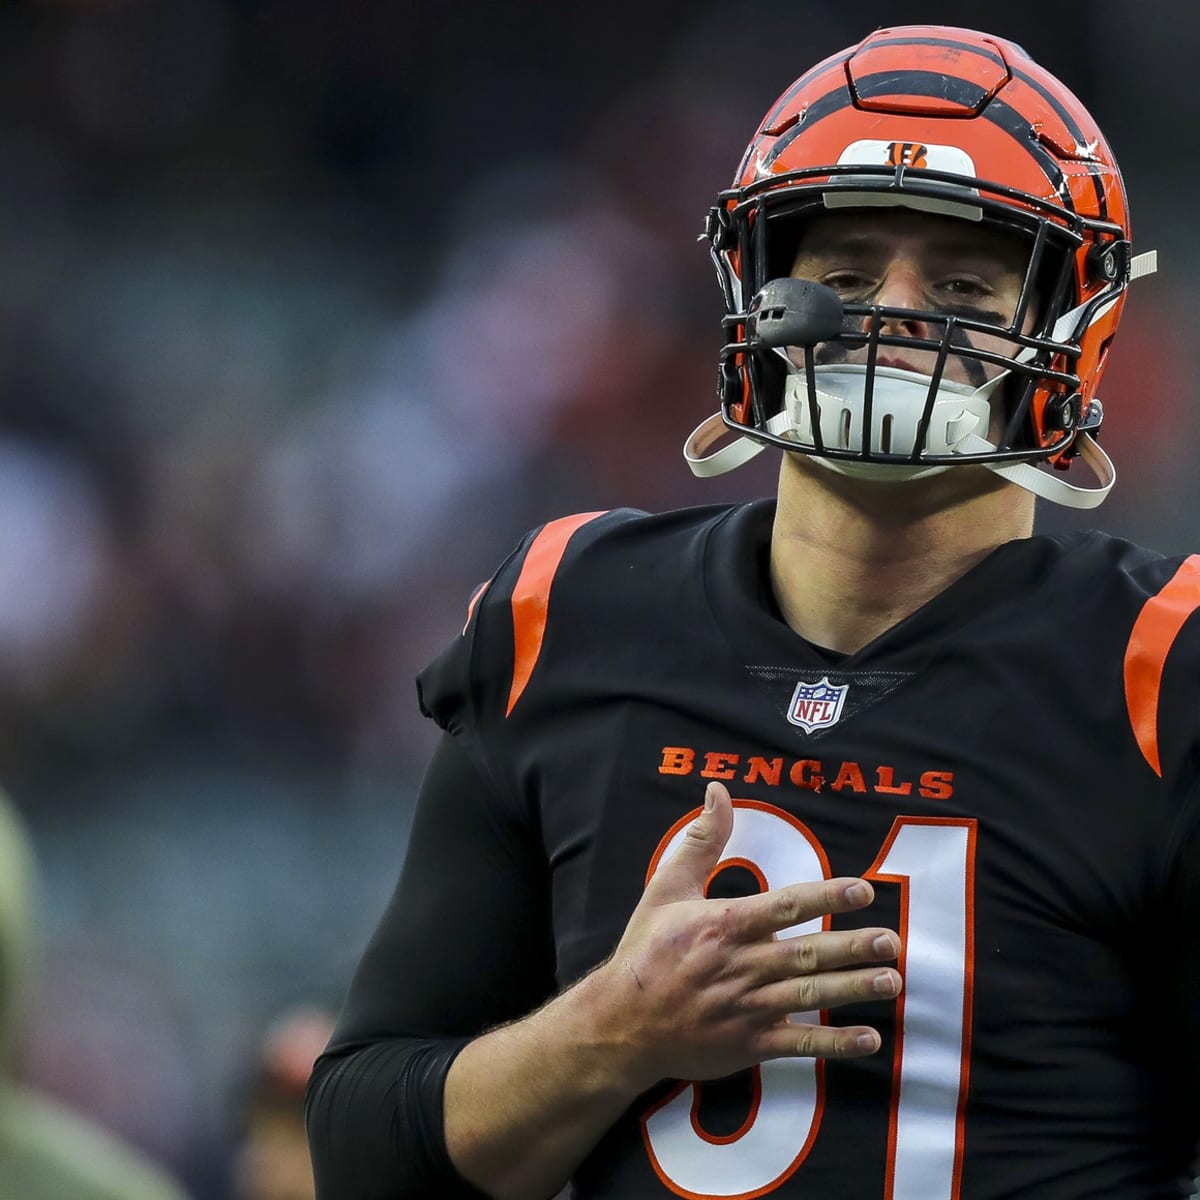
[[684, 874]]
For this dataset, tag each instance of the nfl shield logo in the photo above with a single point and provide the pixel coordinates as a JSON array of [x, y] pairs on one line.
[[817, 705]]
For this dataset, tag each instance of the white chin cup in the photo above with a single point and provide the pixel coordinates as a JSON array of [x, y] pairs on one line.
[[898, 400]]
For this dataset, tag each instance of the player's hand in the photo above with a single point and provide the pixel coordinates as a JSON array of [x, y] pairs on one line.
[[704, 987]]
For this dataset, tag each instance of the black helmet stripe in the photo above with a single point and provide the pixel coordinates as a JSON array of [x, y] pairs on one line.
[[951, 43], [804, 81], [828, 104], [840, 63], [1096, 170], [932, 84], [922, 83], [1017, 127]]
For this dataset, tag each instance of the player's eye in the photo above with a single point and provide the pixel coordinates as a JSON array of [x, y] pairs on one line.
[[966, 287], [847, 281]]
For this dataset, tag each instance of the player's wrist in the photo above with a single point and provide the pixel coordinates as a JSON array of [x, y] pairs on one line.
[[593, 1018]]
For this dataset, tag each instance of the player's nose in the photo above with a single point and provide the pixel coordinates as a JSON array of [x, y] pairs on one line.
[[901, 288]]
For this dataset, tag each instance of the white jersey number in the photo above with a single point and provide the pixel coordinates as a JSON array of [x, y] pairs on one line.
[[932, 861]]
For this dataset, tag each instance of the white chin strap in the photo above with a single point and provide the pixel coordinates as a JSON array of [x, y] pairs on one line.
[[1023, 474], [959, 419]]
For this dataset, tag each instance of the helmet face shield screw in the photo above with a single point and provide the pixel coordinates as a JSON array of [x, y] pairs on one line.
[[1064, 412], [1108, 262]]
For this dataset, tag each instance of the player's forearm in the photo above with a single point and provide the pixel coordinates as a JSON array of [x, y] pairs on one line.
[[525, 1103]]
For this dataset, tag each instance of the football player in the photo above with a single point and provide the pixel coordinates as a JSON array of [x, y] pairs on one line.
[[845, 843]]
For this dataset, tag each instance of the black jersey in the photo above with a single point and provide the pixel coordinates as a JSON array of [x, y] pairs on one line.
[[1014, 766]]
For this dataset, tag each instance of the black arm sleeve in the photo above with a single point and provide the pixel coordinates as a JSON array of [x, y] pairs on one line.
[[463, 946]]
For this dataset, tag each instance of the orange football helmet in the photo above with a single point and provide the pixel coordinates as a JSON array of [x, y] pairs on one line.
[[960, 125]]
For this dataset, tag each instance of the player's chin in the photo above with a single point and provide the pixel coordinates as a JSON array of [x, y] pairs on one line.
[[956, 485], [899, 497]]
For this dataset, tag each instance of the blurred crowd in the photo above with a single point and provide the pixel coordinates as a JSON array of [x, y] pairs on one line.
[[309, 312]]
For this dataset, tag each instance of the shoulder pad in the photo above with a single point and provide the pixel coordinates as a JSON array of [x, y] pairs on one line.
[[488, 666]]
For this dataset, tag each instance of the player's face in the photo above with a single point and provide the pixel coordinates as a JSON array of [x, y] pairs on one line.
[[920, 261]]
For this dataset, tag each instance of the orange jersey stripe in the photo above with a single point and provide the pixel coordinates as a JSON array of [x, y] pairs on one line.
[[475, 599], [1154, 632], [531, 597]]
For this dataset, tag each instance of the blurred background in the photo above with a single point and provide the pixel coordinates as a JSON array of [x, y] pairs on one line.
[[308, 311]]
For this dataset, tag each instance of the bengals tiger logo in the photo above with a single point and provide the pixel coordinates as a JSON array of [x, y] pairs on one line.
[[907, 154]]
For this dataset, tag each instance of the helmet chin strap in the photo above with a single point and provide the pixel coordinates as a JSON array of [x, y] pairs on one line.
[[1053, 487], [1025, 475]]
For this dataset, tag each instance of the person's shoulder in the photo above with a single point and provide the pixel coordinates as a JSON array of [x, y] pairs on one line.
[[1146, 599], [584, 557], [567, 581], [1112, 567], [1153, 602], [626, 530]]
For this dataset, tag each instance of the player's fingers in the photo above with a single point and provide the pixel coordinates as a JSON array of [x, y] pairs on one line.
[[795, 1040], [754, 917], [829, 989], [684, 874], [810, 953]]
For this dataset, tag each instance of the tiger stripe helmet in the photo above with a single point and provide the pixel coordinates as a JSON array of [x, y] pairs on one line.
[[960, 124]]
